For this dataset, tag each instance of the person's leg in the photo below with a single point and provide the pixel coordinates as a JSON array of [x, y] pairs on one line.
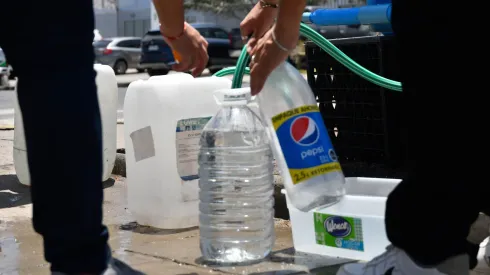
[[52, 54], [429, 214]]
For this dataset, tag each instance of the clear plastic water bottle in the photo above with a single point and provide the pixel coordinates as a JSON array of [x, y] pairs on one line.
[[302, 148], [236, 183]]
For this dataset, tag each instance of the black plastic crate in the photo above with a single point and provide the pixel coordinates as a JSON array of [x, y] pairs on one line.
[[364, 120]]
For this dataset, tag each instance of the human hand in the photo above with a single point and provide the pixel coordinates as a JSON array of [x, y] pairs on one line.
[[257, 22], [267, 54], [192, 49]]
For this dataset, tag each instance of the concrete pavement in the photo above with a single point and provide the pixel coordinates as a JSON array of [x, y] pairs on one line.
[[152, 250]]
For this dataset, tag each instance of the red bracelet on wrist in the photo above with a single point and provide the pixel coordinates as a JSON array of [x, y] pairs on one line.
[[172, 38]]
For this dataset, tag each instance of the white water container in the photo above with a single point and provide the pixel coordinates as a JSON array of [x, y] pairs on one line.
[[107, 94], [164, 117]]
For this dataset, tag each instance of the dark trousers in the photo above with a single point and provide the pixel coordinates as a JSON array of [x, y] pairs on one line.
[[429, 214], [49, 45]]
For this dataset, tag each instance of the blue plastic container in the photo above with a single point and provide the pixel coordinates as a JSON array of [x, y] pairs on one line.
[[385, 29], [377, 13]]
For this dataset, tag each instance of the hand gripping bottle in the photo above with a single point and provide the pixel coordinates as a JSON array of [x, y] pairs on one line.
[[302, 148]]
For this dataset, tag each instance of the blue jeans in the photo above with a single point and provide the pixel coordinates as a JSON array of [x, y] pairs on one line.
[[49, 45]]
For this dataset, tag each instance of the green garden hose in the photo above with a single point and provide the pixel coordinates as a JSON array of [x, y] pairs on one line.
[[325, 45]]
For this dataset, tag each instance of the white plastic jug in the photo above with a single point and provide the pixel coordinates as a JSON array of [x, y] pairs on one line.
[[107, 93], [163, 121]]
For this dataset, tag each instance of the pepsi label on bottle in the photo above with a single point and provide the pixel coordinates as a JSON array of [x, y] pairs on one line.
[[305, 143]]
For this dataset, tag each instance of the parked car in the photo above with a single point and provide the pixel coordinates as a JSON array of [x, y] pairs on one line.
[[157, 57], [4, 71], [121, 53]]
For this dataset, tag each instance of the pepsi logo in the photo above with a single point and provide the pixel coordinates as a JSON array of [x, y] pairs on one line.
[[304, 131], [337, 227]]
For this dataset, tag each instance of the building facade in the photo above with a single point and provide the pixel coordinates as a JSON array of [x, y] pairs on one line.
[[195, 16], [136, 17]]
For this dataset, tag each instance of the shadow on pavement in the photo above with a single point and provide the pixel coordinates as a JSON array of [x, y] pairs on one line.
[[289, 256], [12, 192], [108, 183], [284, 257], [202, 262]]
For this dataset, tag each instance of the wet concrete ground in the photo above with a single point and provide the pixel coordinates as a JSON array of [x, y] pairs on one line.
[[150, 250]]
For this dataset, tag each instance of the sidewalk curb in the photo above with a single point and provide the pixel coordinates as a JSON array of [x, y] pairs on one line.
[[6, 127]]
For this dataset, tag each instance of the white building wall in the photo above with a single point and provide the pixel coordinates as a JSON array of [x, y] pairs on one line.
[[194, 16], [134, 17], [106, 22]]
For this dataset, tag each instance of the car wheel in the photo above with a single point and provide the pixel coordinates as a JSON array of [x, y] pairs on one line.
[[152, 72], [120, 67], [140, 70]]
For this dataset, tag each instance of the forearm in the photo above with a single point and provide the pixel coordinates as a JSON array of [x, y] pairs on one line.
[[288, 21], [171, 16]]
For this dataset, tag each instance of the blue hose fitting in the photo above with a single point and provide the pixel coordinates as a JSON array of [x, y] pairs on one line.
[[365, 15]]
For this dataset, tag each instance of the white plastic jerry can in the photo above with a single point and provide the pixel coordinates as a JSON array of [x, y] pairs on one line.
[[107, 94], [164, 117]]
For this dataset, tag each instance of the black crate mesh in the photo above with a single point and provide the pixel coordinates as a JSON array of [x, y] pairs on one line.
[[362, 118]]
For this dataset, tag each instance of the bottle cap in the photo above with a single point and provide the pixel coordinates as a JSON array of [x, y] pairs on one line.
[[228, 97]]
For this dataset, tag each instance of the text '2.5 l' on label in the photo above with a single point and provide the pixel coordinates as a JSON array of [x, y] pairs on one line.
[[305, 143]]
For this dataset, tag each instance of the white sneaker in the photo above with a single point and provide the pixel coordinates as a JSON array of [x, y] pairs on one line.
[[479, 251], [396, 262], [479, 230], [480, 260]]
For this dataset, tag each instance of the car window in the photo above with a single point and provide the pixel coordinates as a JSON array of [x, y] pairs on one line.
[[152, 35], [134, 43], [205, 32], [102, 43], [219, 33], [125, 44]]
